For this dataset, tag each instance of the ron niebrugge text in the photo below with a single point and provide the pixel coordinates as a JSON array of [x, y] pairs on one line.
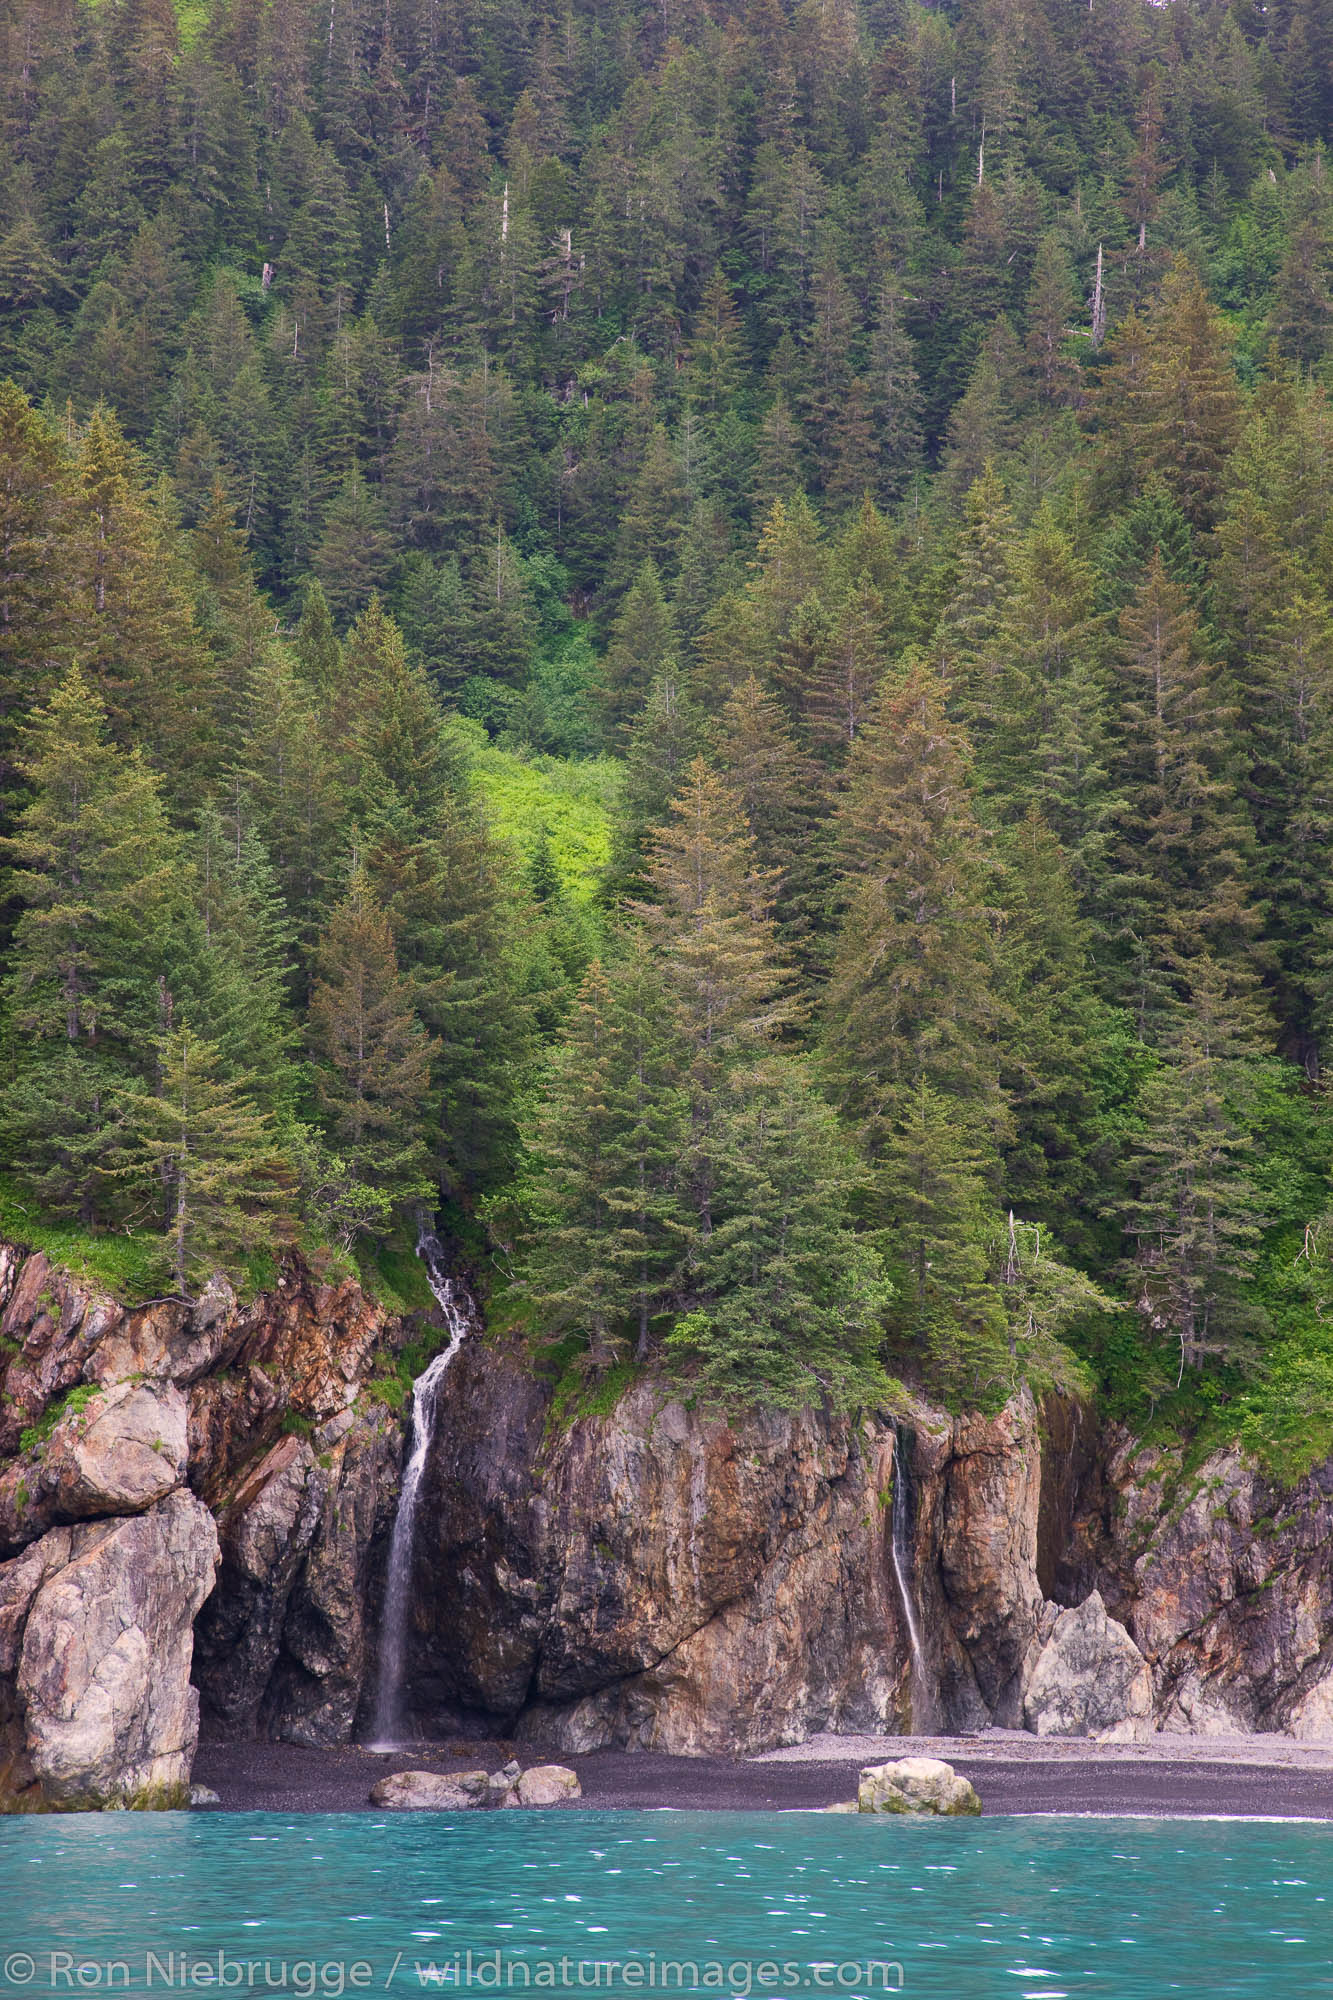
[[316, 1978]]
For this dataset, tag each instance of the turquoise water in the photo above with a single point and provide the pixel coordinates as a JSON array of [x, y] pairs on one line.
[[741, 1903]]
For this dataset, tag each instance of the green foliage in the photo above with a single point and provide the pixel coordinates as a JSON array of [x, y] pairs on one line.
[[129, 1264], [197, 1147], [391, 1272], [694, 392], [572, 804], [76, 1400]]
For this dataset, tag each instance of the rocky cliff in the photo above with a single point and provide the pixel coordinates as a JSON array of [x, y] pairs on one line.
[[189, 1497], [195, 1504], [1224, 1580], [652, 1577], [658, 1578]]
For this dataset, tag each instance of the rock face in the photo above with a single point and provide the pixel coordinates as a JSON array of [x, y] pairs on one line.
[[122, 1433], [916, 1785], [123, 1453], [657, 1578], [651, 1576], [1224, 1581], [1089, 1679], [97, 1625]]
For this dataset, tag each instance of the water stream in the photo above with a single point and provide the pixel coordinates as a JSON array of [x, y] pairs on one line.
[[398, 1580], [900, 1547]]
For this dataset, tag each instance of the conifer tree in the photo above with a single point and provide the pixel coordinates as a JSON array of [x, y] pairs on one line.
[[654, 518], [777, 789], [1182, 849], [138, 640], [1059, 1165], [242, 960], [295, 785], [371, 1054], [356, 555], [608, 1228], [1047, 753], [664, 740], [197, 1144], [461, 934], [710, 920], [912, 1002], [936, 1164], [644, 643], [971, 630], [1196, 1213], [849, 662], [35, 627], [1191, 402], [387, 725], [96, 870], [315, 645], [789, 1297]]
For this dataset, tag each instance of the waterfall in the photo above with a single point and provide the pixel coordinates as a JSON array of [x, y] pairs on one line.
[[398, 1581], [900, 1546]]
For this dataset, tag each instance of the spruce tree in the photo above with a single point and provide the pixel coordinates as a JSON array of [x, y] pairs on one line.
[[644, 644], [138, 639], [1195, 1211], [315, 645], [196, 1151], [914, 1007], [35, 613], [778, 790], [912, 994], [1182, 847], [97, 873], [788, 1297], [372, 1057], [607, 1230], [1047, 753], [971, 631]]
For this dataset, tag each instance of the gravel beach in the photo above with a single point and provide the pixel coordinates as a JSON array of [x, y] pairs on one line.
[[1174, 1776]]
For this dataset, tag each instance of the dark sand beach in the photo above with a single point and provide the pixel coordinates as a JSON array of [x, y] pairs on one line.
[[1173, 1776]]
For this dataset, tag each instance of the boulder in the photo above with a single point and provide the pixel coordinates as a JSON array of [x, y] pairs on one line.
[[430, 1791], [98, 1621], [120, 1454], [1089, 1679], [915, 1785], [548, 1785]]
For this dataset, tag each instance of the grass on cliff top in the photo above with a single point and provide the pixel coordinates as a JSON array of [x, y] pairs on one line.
[[393, 1275], [130, 1265]]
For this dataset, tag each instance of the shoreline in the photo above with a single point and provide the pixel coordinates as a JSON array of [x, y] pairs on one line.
[[1174, 1777]]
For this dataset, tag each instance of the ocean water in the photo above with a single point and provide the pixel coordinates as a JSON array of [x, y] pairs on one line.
[[664, 1903]]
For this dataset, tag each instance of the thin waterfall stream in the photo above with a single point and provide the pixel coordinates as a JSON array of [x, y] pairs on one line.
[[900, 1549], [398, 1579]]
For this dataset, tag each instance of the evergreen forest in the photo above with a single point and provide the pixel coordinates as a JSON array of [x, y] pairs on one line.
[[698, 640]]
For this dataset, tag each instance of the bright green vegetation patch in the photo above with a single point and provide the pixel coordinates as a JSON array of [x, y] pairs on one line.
[[1286, 1419], [191, 19], [127, 1264], [393, 1275], [393, 1385], [36, 1435], [577, 1394], [573, 800]]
